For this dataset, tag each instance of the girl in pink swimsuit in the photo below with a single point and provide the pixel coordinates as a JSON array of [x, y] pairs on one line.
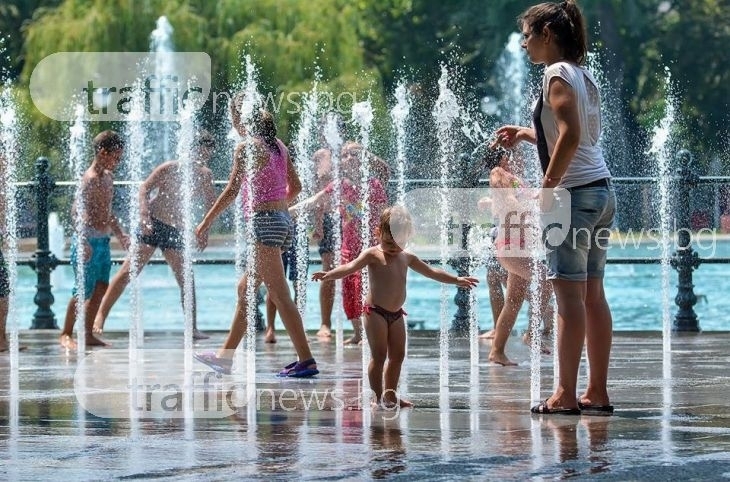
[[273, 185]]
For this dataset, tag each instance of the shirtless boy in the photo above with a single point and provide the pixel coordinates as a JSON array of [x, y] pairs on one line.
[[95, 192], [162, 222]]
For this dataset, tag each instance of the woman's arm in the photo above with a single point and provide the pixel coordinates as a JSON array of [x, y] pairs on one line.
[[509, 136], [565, 108]]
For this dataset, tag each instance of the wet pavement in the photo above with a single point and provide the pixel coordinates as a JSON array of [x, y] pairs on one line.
[[66, 419]]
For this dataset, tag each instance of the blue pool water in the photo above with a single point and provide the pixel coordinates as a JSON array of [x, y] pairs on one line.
[[633, 291]]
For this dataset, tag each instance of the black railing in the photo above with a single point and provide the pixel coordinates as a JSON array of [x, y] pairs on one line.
[[685, 260]]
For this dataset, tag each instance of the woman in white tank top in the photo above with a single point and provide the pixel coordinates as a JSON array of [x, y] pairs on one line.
[[566, 129]]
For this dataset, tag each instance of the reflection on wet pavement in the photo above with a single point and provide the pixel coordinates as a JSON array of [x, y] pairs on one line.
[[71, 420]]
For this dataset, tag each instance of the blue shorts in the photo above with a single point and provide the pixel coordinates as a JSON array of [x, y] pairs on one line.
[[582, 254], [97, 268], [273, 228], [4, 278], [327, 243]]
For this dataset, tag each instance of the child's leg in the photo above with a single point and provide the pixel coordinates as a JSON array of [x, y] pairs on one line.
[[396, 355], [92, 307], [271, 272], [377, 330], [326, 297], [495, 278], [240, 321], [174, 258], [117, 285], [352, 304], [3, 320], [270, 335], [516, 290]]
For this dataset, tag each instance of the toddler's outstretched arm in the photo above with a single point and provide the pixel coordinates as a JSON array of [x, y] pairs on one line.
[[346, 269], [440, 275]]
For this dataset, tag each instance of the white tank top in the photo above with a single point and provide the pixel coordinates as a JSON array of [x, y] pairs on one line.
[[588, 165]]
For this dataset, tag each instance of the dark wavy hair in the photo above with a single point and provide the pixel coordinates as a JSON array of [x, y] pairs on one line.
[[565, 20], [263, 126], [108, 140]]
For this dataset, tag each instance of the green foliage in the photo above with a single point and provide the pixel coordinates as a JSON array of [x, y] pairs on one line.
[[364, 47]]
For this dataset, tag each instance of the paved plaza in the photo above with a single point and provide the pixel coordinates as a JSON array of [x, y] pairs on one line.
[[672, 420]]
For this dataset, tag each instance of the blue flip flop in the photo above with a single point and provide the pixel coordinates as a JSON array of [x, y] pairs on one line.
[[219, 365], [299, 369]]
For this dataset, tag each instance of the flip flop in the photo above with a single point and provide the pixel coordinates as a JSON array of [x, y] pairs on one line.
[[543, 409], [598, 410], [219, 365], [299, 369]]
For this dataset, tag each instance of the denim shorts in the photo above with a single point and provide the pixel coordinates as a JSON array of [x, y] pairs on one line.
[[97, 268], [582, 254], [273, 228]]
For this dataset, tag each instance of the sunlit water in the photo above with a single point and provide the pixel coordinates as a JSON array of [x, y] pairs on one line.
[[631, 291]]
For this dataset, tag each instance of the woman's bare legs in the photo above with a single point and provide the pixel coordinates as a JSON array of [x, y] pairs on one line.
[[599, 330], [570, 297]]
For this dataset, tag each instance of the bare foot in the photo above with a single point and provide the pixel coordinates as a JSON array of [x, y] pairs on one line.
[[91, 340], [5, 347], [98, 327], [198, 335], [269, 336], [68, 342], [391, 404], [353, 340], [501, 359], [324, 332], [544, 343], [487, 335]]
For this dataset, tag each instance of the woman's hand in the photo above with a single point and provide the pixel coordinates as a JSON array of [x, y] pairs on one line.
[[509, 136]]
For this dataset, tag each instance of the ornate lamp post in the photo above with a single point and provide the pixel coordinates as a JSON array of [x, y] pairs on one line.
[[685, 260], [43, 260]]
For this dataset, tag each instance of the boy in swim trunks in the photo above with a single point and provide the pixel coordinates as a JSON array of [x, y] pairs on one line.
[[388, 265], [162, 221], [93, 203]]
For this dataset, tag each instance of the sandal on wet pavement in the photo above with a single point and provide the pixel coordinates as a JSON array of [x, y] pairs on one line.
[[599, 410], [543, 409], [219, 365], [299, 369]]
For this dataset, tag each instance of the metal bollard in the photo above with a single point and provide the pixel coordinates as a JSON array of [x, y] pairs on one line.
[[460, 323], [43, 261], [685, 260]]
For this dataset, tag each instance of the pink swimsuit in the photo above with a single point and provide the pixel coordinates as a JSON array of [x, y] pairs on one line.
[[270, 182]]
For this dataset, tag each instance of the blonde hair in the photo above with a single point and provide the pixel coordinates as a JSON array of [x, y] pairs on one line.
[[397, 224]]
